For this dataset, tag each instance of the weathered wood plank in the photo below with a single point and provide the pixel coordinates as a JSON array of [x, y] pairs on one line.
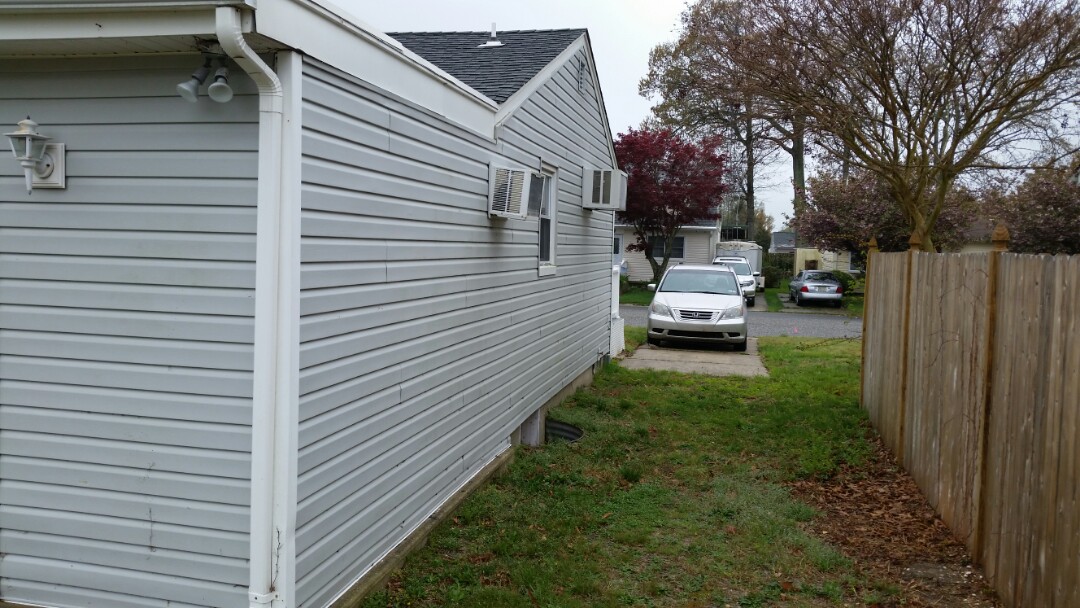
[[991, 413]]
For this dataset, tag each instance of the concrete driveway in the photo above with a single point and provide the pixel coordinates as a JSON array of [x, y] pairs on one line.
[[711, 361]]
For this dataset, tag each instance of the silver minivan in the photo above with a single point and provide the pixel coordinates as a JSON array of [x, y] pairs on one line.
[[747, 279], [698, 303]]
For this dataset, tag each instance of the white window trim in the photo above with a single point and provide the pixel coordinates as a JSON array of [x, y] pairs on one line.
[[549, 268]]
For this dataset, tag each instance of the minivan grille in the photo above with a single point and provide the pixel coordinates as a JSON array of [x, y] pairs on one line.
[[695, 315]]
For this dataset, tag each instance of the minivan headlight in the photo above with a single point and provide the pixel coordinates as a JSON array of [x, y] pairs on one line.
[[734, 312], [660, 309]]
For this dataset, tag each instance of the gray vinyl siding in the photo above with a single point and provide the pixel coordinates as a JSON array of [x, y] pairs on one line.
[[126, 331], [426, 334]]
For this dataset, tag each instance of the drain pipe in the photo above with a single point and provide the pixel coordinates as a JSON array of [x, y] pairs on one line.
[[266, 541]]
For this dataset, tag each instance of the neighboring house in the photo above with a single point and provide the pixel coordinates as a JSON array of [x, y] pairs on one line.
[[252, 346], [694, 244], [977, 236], [782, 242], [818, 259], [810, 258]]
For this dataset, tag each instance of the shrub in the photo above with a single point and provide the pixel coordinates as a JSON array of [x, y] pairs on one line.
[[846, 280], [774, 275], [777, 268]]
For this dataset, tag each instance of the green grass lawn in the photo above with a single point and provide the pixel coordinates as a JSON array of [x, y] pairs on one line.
[[854, 305], [675, 496], [772, 296], [636, 294], [772, 300]]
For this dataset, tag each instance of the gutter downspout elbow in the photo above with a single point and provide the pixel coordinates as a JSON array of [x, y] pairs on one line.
[[266, 540]]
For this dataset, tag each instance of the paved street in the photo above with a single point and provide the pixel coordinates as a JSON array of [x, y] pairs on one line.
[[814, 325]]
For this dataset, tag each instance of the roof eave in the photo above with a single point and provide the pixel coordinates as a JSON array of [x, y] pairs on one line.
[[137, 28], [303, 24], [681, 228], [515, 101], [317, 28]]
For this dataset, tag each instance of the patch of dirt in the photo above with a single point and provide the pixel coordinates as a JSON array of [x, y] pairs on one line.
[[877, 516]]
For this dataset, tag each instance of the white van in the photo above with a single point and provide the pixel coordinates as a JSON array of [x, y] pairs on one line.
[[747, 276]]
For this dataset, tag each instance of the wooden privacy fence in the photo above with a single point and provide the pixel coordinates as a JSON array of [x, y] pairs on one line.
[[971, 374]]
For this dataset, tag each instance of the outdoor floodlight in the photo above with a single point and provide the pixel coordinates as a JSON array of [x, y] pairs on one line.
[[190, 90], [220, 91], [42, 163]]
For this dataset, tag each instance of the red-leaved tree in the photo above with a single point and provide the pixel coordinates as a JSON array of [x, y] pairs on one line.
[[671, 182]]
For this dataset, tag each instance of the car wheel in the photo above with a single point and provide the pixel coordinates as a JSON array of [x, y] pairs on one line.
[[838, 304], [653, 341], [799, 301], [750, 302], [740, 347]]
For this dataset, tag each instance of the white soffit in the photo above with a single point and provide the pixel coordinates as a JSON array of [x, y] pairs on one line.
[[134, 31], [331, 35]]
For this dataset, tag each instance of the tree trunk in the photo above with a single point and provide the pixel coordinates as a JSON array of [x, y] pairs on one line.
[[798, 162], [658, 268], [751, 229]]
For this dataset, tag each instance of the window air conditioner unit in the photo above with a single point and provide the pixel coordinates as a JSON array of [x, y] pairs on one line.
[[604, 189], [508, 192]]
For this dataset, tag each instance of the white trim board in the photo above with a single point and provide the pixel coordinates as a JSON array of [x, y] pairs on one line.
[[338, 39], [515, 101], [317, 29]]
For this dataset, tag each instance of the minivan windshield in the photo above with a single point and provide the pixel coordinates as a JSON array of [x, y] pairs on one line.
[[700, 281], [741, 268]]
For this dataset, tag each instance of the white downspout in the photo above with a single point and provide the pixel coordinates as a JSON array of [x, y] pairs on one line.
[[265, 545]]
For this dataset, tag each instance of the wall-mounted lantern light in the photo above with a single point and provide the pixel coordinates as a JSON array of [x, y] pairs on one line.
[[42, 162]]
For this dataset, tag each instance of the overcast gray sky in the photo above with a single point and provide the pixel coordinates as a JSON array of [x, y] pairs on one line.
[[622, 34]]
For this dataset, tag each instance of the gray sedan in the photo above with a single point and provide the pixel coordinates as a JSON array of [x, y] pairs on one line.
[[816, 286]]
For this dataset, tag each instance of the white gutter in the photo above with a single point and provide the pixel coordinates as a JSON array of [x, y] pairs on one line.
[[266, 547]]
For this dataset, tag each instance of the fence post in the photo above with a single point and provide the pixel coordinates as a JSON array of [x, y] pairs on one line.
[[616, 339], [616, 274], [871, 250], [1000, 240]]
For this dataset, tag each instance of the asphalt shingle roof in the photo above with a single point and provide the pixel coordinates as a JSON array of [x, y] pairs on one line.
[[497, 72]]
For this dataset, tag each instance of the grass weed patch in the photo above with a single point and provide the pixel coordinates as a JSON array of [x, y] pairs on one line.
[[636, 294], [675, 496]]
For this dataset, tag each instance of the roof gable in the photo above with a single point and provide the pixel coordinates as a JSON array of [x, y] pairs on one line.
[[497, 72]]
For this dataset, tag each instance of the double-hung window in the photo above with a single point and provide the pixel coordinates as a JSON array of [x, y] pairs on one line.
[[543, 206], [678, 250]]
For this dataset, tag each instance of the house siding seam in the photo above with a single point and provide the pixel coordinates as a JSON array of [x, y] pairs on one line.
[[426, 335], [126, 331]]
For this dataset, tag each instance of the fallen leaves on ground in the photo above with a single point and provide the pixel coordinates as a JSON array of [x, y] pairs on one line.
[[876, 514]]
